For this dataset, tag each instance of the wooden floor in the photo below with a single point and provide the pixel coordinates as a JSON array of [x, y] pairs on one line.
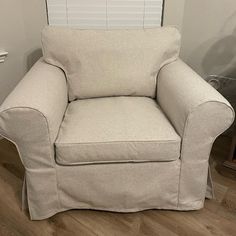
[[217, 218]]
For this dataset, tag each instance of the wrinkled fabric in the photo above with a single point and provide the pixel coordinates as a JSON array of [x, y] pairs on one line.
[[199, 114], [116, 129], [32, 116], [101, 63]]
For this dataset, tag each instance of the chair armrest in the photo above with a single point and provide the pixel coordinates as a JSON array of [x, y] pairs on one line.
[[191, 103], [199, 114], [31, 115]]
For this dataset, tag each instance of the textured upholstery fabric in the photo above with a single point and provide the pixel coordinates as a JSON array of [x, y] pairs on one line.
[[101, 63], [122, 187], [30, 117], [116, 129], [111, 187], [42, 87], [32, 114], [199, 114]]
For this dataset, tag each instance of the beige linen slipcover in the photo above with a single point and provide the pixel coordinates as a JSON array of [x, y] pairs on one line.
[[116, 129], [143, 152], [101, 63]]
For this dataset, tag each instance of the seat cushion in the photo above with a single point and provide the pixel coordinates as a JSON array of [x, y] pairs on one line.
[[101, 63], [116, 129]]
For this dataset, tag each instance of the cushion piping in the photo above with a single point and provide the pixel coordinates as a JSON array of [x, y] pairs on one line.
[[89, 143]]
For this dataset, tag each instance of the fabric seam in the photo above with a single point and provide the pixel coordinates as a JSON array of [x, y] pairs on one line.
[[49, 140], [184, 135], [118, 142]]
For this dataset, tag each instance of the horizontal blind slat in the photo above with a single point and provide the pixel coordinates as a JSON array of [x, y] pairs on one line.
[[105, 13]]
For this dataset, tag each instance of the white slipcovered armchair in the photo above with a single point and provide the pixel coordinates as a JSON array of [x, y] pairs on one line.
[[113, 120]]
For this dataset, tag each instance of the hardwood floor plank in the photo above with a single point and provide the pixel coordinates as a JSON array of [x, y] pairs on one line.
[[65, 225], [220, 210], [101, 223]]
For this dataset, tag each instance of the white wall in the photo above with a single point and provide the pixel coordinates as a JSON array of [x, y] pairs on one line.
[[209, 36], [20, 24], [174, 13]]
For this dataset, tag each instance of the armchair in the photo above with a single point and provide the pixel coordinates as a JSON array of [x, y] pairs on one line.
[[117, 123]]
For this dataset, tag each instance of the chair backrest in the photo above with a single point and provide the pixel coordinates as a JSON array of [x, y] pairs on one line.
[[100, 63]]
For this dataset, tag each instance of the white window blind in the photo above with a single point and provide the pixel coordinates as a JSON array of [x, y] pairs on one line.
[[105, 14]]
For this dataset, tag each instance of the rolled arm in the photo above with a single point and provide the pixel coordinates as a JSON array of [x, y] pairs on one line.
[[183, 94], [199, 114], [31, 115]]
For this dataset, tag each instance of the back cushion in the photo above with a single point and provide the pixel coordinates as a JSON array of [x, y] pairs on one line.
[[100, 63]]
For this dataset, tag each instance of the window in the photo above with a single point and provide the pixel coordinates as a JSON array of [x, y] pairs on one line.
[[105, 14]]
